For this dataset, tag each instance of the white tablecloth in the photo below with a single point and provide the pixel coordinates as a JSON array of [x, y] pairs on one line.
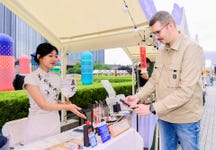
[[128, 140], [146, 127]]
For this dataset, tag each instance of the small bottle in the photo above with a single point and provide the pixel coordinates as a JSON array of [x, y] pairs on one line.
[[87, 128], [102, 109], [92, 113], [96, 113]]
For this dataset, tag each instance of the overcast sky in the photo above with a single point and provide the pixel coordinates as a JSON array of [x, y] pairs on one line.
[[201, 20], [200, 16]]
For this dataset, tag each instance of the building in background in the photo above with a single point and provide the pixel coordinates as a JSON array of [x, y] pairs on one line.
[[26, 39]]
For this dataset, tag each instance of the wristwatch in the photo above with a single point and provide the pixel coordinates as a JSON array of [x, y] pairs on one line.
[[152, 110]]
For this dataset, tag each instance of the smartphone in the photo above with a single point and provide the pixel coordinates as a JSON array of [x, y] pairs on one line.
[[121, 100]]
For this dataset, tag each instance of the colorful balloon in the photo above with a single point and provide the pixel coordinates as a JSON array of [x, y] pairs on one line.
[[7, 60]]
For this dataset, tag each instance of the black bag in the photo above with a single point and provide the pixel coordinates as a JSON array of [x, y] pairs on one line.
[[3, 141], [18, 82]]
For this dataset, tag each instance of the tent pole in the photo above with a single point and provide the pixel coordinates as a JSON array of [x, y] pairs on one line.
[[63, 74], [133, 73]]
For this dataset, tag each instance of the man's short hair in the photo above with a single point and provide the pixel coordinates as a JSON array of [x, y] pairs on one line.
[[163, 17]]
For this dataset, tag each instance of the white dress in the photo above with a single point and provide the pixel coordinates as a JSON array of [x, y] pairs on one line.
[[42, 123]]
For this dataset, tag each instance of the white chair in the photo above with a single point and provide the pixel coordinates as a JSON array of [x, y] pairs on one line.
[[14, 131]]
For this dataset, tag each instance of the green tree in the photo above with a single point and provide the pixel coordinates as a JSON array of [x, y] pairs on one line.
[[76, 69], [100, 66]]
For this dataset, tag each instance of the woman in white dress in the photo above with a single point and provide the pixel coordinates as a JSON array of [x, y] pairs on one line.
[[43, 89]]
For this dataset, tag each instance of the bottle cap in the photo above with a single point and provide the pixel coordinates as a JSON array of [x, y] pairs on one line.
[[87, 122]]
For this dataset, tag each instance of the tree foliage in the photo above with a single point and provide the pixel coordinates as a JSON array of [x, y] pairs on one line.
[[100, 66], [77, 68]]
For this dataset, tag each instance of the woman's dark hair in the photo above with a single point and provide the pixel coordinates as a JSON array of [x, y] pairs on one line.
[[44, 49]]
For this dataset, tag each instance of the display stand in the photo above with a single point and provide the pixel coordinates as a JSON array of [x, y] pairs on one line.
[[112, 98]]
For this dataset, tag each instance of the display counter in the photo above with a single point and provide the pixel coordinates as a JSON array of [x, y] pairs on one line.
[[128, 140]]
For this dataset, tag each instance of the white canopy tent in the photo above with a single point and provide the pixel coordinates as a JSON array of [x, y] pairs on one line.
[[76, 26]]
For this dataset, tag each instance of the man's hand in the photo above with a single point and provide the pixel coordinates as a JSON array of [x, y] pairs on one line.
[[132, 100], [142, 109]]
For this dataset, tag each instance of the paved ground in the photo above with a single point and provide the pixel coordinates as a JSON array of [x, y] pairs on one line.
[[208, 122]]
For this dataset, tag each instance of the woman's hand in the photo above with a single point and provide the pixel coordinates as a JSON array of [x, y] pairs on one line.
[[73, 108], [76, 110]]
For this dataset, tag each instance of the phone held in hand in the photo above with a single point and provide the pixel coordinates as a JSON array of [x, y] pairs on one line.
[[121, 100]]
